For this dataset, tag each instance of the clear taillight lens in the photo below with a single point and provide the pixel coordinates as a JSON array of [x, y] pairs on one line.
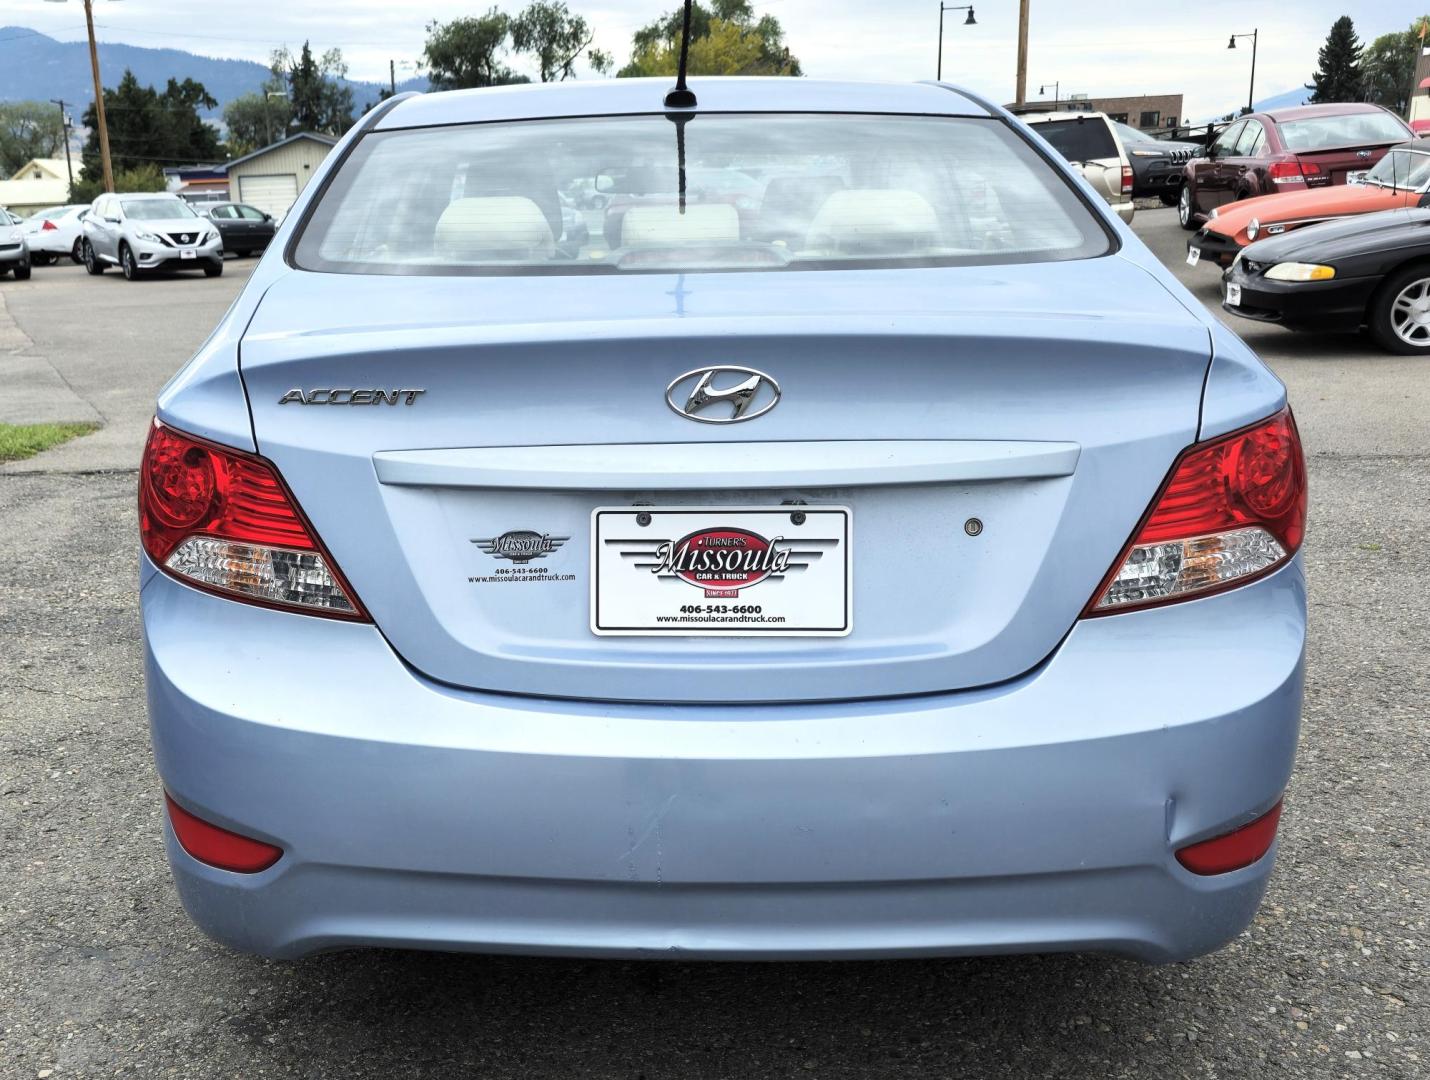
[[1231, 510], [224, 520]]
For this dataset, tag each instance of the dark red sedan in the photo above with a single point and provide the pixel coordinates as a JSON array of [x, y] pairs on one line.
[[1294, 149]]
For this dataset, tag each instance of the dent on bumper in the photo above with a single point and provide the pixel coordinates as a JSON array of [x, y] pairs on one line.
[[1036, 815]]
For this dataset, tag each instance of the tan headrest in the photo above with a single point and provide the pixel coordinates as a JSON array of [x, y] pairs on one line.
[[645, 226], [495, 227], [870, 219]]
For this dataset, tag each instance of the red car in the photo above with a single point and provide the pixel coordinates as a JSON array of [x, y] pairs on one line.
[[1295, 149]]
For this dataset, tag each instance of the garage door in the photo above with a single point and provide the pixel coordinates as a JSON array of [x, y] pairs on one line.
[[274, 194]]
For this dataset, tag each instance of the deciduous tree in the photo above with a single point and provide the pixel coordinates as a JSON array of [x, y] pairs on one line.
[[150, 128], [725, 39], [318, 97], [1388, 65], [556, 37], [28, 129], [468, 52]]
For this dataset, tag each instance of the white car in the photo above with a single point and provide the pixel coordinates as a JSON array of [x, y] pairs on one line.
[[14, 252], [138, 233], [54, 233], [1089, 141]]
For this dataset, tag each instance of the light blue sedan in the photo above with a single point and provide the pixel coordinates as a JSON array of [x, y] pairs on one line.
[[879, 556]]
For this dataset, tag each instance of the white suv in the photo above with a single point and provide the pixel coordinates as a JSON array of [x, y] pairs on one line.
[[143, 232], [1089, 141]]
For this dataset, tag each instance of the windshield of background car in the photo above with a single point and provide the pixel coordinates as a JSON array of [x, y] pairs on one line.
[[1408, 170], [156, 209], [1079, 140], [798, 192], [1351, 129]]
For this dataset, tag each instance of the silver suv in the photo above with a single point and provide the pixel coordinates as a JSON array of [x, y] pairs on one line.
[[145, 232], [1089, 141], [14, 252]]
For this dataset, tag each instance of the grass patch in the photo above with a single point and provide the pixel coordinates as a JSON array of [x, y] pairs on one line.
[[20, 441]]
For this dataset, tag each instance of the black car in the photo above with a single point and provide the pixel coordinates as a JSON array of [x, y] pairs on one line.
[[1366, 271], [1156, 163], [245, 229]]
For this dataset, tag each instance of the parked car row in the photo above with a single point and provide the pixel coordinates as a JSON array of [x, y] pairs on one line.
[[135, 232]]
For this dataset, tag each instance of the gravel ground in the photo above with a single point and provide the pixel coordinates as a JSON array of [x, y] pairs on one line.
[[102, 975]]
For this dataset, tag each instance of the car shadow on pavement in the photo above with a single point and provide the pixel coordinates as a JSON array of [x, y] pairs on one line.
[[1035, 1015]]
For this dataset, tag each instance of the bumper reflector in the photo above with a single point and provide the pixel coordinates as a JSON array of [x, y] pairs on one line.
[[1223, 854], [219, 847]]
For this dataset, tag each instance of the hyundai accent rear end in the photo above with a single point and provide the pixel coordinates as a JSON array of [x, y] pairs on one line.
[[888, 558]]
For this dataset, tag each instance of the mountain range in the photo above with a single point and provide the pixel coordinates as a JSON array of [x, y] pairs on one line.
[[34, 66]]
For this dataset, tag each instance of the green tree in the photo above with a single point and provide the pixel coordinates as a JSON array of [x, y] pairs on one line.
[[725, 39], [468, 52], [556, 37], [1388, 65], [1339, 77], [319, 98], [150, 128], [148, 177], [256, 120], [28, 129]]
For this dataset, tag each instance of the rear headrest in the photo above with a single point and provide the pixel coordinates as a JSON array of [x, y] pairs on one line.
[[645, 226], [497, 227], [874, 221]]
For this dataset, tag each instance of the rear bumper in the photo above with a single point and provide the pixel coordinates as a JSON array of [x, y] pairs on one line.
[[1038, 815]]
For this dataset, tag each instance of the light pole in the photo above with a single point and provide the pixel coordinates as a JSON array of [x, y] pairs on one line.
[[1251, 92], [267, 116], [65, 134], [98, 95], [1056, 87], [970, 21]]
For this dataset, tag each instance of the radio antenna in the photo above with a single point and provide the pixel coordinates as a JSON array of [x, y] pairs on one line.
[[681, 96]]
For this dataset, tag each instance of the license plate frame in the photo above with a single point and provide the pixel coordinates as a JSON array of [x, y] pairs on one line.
[[791, 576]]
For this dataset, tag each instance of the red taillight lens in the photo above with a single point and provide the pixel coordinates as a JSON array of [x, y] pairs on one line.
[[49, 226], [1292, 172], [1126, 179], [219, 847], [1223, 854], [223, 520], [1232, 510]]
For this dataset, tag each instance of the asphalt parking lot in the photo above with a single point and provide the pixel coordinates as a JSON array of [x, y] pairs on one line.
[[101, 973]]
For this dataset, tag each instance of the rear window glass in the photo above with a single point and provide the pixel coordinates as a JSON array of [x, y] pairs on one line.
[[1354, 129], [1079, 140], [760, 192]]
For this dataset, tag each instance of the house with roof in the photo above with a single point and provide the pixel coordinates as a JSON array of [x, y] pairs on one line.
[[35, 185]]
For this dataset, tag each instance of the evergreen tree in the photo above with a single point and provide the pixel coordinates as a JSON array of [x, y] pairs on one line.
[[150, 128], [1339, 76]]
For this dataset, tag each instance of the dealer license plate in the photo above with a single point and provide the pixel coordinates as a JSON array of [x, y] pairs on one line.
[[721, 571], [1233, 294], [1194, 256], [188, 253]]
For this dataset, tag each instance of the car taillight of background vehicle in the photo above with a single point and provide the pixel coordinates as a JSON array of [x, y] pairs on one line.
[[49, 226], [1293, 172], [1127, 179], [225, 521], [1232, 510]]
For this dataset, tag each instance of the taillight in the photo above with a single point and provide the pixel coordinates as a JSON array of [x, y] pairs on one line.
[[224, 520], [219, 847], [49, 226], [1292, 172], [1126, 179], [1232, 510]]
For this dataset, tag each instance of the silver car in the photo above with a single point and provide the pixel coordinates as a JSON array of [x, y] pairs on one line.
[[147, 232], [14, 252], [1090, 142]]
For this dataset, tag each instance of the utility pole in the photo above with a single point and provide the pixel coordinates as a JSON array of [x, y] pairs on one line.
[[65, 135], [99, 98], [392, 76], [1022, 90]]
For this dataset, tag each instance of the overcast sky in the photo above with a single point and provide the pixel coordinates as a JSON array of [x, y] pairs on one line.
[[1093, 46]]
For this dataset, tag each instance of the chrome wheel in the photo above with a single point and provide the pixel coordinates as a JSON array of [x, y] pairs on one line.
[[126, 259], [1184, 206], [1410, 313]]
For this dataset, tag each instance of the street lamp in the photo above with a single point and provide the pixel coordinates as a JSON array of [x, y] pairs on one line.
[[267, 117], [970, 21], [1056, 87], [1250, 93], [98, 95]]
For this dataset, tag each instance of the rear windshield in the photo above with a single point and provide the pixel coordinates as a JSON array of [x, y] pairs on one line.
[[760, 192], [1079, 140], [1332, 132]]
